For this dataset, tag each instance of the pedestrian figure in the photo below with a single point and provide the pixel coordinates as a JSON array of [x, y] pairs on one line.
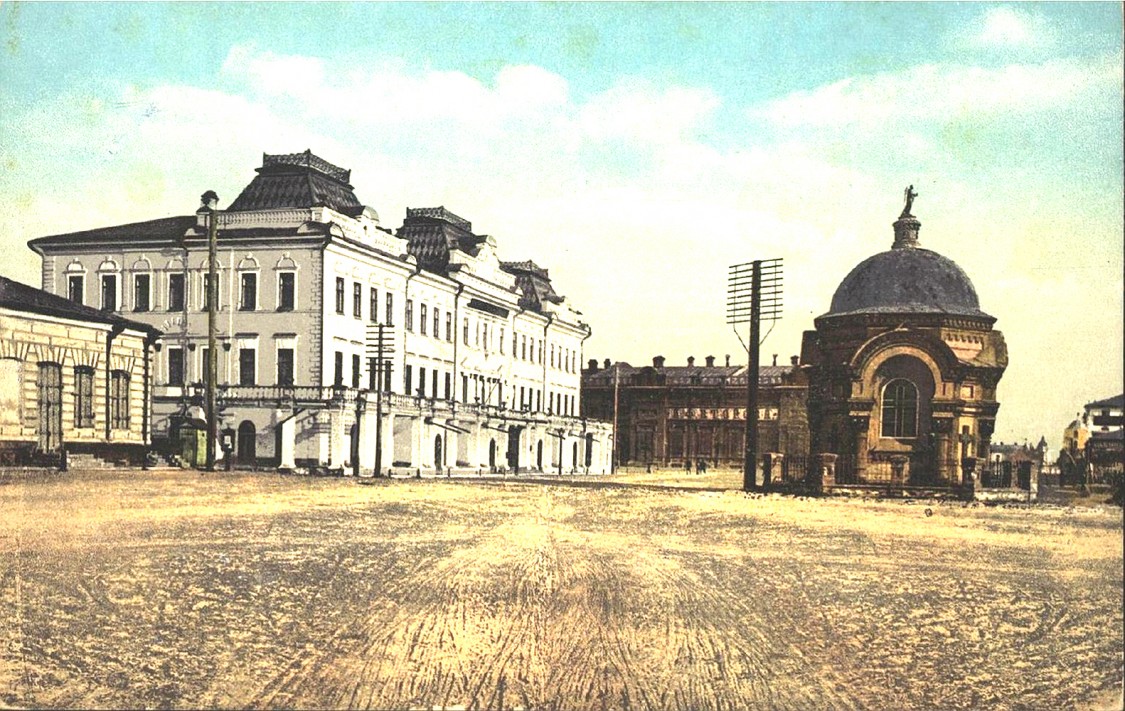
[[703, 466], [687, 465]]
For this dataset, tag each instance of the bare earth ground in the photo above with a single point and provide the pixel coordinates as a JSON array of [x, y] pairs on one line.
[[173, 589]]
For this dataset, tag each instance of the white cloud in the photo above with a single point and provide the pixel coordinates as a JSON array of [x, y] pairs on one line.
[[1007, 27], [939, 93]]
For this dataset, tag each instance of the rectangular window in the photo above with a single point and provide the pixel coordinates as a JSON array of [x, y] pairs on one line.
[[372, 373], [448, 386], [119, 400], [374, 305], [449, 327], [357, 300], [286, 291], [437, 323], [357, 371], [285, 366], [249, 292], [501, 340], [339, 295], [204, 371], [523, 348], [338, 372], [409, 315], [247, 365], [390, 310], [465, 332], [109, 292], [76, 288], [208, 292], [175, 292], [421, 382], [407, 380], [421, 320], [386, 376], [142, 290], [176, 366], [83, 396], [433, 379]]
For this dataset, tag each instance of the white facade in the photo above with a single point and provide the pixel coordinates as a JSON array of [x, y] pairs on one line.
[[301, 290]]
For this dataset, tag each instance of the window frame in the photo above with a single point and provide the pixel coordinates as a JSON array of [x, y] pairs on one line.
[[292, 305], [84, 397], [242, 284], [119, 381], [893, 408]]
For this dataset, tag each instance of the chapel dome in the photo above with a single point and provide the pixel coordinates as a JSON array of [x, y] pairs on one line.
[[906, 279]]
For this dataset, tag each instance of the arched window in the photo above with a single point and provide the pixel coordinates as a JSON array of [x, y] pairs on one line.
[[900, 409]]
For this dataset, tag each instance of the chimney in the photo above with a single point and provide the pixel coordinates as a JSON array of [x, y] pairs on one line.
[[607, 364], [775, 359], [593, 365], [710, 361], [728, 360], [795, 360], [658, 361], [690, 361]]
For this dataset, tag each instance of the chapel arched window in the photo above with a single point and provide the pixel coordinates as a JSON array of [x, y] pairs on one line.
[[900, 409]]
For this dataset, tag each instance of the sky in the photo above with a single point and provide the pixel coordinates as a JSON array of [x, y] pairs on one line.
[[636, 150]]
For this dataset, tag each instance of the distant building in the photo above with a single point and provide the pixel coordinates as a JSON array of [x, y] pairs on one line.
[[1105, 448], [903, 369], [71, 377], [481, 363], [673, 416], [1017, 463]]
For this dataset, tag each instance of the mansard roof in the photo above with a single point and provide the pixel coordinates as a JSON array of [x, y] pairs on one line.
[[433, 233], [21, 297], [534, 283], [298, 180]]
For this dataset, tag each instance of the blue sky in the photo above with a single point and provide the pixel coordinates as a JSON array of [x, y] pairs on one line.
[[635, 149]]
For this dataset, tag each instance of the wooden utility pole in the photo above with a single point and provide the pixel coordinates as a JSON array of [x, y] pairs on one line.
[[211, 201], [750, 466], [380, 345], [759, 280]]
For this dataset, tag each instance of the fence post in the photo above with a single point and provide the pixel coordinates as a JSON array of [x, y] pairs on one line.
[[825, 479], [772, 471], [969, 477]]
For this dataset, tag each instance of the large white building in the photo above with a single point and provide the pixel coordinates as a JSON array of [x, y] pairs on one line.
[[482, 357]]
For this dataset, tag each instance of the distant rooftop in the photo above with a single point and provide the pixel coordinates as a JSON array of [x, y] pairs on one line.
[[440, 213], [298, 180], [307, 160], [21, 297]]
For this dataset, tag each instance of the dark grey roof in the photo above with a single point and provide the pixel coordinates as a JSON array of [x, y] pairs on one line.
[[165, 228], [298, 180], [1115, 401], [688, 374], [906, 281], [21, 297]]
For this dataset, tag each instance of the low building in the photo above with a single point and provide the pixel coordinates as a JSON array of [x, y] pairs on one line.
[[72, 378], [675, 416]]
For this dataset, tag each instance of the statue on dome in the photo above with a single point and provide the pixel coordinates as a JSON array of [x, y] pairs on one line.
[[910, 195]]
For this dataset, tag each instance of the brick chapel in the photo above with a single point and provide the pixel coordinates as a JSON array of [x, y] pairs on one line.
[[903, 368]]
